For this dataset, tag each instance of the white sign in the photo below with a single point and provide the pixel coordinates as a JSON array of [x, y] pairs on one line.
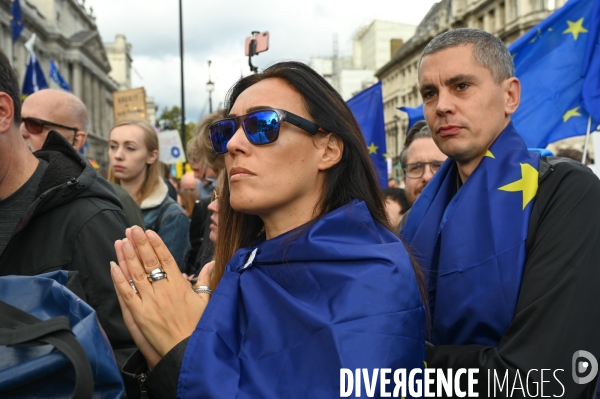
[[170, 149]]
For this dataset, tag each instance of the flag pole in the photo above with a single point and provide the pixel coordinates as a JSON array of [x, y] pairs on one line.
[[587, 139]]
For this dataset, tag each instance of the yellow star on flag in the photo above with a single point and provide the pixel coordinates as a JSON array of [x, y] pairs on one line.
[[571, 113], [539, 33], [527, 184], [372, 149], [488, 153], [575, 28], [386, 155]]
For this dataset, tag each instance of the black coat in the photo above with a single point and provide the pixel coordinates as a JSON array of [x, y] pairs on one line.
[[72, 225]]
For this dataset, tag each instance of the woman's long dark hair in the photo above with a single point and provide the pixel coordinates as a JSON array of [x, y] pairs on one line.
[[352, 178]]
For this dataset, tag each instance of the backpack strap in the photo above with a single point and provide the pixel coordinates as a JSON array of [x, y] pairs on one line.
[[547, 164], [18, 327]]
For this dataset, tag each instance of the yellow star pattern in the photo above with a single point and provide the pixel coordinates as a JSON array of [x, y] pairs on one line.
[[571, 113], [386, 155], [538, 34], [527, 184], [372, 149], [575, 28], [488, 153]]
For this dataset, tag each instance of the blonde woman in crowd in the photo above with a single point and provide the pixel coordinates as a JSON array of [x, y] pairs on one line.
[[134, 165]]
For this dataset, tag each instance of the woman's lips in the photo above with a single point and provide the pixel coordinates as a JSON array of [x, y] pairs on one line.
[[118, 168], [237, 173]]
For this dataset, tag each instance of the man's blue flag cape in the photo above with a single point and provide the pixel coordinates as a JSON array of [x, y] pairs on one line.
[[367, 107], [558, 64], [471, 241]]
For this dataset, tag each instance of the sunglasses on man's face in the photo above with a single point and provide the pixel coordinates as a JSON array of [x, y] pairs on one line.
[[36, 126], [261, 127]]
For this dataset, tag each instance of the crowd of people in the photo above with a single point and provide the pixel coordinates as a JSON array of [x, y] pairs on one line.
[[279, 261]]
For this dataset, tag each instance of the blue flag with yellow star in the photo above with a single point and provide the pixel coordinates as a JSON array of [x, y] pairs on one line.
[[470, 241], [16, 20], [367, 107], [555, 68]]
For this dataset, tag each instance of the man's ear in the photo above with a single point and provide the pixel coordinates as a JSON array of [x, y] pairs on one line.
[[512, 95], [7, 112], [332, 151], [152, 157], [79, 140]]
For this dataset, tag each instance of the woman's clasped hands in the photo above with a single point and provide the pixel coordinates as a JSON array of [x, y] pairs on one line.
[[164, 311]]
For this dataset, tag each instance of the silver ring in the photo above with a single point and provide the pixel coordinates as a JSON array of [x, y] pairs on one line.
[[156, 274], [133, 286], [203, 289]]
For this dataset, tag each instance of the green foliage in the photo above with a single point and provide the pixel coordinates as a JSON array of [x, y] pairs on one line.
[[170, 118]]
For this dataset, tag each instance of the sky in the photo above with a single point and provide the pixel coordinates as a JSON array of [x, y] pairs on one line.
[[216, 31]]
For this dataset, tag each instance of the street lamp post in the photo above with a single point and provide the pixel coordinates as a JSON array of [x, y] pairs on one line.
[[210, 86]]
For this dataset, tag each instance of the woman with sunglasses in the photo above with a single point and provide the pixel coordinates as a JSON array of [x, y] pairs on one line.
[[308, 278], [134, 165]]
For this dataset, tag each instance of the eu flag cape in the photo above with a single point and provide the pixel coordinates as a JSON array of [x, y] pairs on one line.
[[471, 241], [337, 293], [367, 107], [558, 64]]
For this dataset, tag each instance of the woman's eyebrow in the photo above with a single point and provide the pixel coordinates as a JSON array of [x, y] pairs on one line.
[[252, 109]]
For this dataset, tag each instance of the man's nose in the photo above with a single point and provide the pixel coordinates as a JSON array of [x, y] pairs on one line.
[[427, 175], [445, 103]]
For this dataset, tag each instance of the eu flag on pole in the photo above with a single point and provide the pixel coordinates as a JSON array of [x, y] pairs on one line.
[[16, 19], [367, 107], [549, 60], [57, 77], [414, 115], [34, 77]]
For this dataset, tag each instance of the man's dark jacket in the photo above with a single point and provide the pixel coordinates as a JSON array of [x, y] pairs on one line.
[[72, 225], [557, 310]]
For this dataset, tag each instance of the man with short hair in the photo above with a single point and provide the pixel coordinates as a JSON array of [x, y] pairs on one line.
[[508, 240], [49, 109], [56, 213], [420, 159], [66, 114]]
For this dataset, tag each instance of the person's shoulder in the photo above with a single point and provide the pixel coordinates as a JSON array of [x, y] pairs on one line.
[[565, 171]]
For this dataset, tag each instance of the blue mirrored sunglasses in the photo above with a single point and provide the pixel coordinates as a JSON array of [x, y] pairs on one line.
[[261, 127]]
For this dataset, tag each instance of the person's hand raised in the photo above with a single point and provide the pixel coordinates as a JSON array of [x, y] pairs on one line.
[[165, 311]]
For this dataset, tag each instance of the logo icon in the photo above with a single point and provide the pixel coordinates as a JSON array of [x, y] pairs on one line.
[[581, 366]]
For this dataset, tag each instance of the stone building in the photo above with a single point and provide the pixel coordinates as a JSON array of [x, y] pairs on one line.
[[119, 56], [66, 31], [507, 19], [372, 47]]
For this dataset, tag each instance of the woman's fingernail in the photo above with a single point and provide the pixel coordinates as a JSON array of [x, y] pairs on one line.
[[115, 269], [137, 231], [127, 245], [151, 235]]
